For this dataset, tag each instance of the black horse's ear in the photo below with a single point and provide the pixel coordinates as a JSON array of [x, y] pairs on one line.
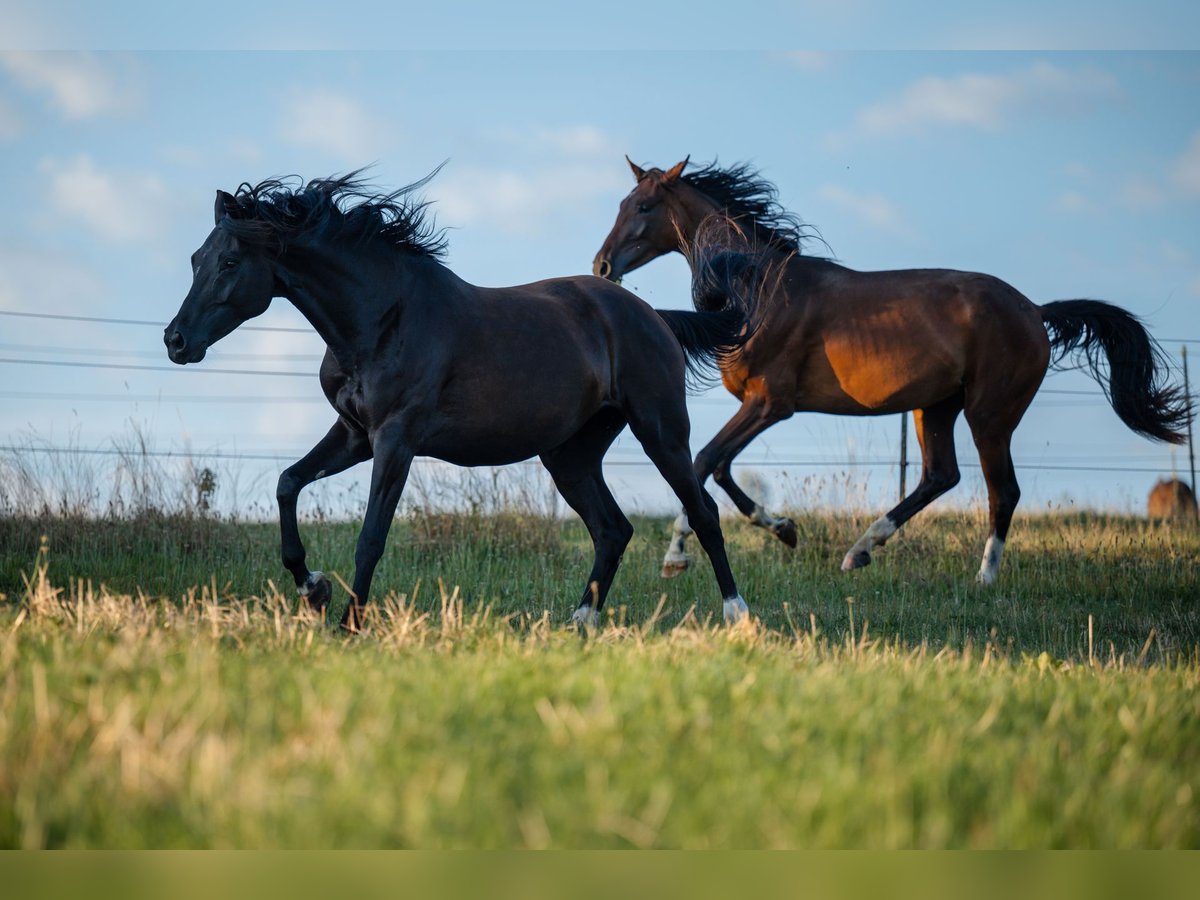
[[638, 172], [676, 170], [226, 205]]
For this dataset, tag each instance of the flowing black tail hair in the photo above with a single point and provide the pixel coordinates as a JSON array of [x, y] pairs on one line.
[[1129, 364], [726, 292]]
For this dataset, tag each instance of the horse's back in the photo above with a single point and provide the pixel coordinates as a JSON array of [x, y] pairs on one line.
[[884, 341]]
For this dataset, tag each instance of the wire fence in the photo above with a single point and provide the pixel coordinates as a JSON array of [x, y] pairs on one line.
[[54, 350]]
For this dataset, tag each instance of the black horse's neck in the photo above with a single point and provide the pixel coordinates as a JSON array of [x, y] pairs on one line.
[[354, 296]]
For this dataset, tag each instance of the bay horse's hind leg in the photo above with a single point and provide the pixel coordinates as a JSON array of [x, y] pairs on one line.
[[754, 417], [663, 433], [992, 419], [576, 469], [939, 473]]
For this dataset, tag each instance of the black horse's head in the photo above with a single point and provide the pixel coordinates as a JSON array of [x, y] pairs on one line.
[[232, 281]]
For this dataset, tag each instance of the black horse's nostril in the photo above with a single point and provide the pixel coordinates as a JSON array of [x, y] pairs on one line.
[[175, 342]]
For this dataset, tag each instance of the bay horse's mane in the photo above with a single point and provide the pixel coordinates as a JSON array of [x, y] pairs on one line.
[[743, 193], [278, 211]]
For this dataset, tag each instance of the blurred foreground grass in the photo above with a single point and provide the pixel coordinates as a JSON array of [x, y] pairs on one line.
[[157, 691]]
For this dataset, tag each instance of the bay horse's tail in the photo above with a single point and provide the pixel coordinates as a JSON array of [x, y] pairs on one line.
[[1129, 364]]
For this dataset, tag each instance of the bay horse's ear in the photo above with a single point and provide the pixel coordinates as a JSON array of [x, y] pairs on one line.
[[226, 205], [673, 173], [638, 172]]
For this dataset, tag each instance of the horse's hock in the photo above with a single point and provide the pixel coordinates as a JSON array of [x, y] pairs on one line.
[[1172, 500]]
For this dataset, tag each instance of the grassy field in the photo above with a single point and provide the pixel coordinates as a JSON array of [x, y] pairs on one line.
[[159, 691]]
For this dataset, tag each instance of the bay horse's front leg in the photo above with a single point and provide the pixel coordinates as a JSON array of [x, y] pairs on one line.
[[393, 458], [342, 447], [754, 417]]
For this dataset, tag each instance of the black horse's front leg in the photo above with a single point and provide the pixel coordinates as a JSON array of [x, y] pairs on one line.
[[392, 461], [342, 447]]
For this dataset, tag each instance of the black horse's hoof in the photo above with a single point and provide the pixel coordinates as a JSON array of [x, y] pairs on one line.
[[856, 560], [317, 591], [786, 532]]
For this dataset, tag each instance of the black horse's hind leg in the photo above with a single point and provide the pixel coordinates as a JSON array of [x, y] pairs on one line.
[[392, 461], [575, 467], [939, 473], [753, 418], [663, 433], [341, 448]]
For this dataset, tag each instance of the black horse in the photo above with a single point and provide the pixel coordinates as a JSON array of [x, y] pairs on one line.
[[421, 363]]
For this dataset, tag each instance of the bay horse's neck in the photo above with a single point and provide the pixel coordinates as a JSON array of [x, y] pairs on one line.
[[353, 296], [695, 207]]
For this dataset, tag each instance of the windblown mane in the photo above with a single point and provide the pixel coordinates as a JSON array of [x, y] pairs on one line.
[[277, 212], [744, 194]]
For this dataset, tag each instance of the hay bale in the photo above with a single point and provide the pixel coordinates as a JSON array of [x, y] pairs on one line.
[[1172, 500]]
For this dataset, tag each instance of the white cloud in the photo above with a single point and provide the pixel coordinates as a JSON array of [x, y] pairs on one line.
[[335, 124], [118, 207], [1141, 193], [809, 60], [34, 279], [519, 202], [79, 85], [556, 169], [10, 122], [1185, 172], [987, 102], [1073, 202], [873, 209]]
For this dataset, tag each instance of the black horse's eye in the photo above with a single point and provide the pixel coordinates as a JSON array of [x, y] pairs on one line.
[[229, 262]]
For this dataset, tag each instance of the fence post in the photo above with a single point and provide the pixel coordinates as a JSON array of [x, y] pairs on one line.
[[904, 455], [1187, 393]]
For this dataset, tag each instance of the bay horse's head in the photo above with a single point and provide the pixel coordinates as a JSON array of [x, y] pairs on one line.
[[232, 281], [648, 224]]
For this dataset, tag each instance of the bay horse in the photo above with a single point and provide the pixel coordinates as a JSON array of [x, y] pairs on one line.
[[421, 363], [834, 340]]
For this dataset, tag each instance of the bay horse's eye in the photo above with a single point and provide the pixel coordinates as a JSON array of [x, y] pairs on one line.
[[644, 207]]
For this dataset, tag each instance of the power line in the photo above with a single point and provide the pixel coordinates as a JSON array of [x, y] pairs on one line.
[[219, 371], [108, 321], [163, 398], [129, 366], [155, 354]]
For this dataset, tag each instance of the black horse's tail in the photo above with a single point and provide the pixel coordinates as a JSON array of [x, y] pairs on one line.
[[1129, 364], [707, 339]]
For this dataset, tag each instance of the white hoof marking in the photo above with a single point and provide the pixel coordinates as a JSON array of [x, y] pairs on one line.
[[764, 519], [735, 609], [585, 617], [309, 583], [989, 571]]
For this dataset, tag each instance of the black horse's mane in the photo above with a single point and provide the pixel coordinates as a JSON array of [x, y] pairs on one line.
[[744, 194], [278, 211]]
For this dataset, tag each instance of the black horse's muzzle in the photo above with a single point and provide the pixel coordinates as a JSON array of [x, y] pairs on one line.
[[178, 348]]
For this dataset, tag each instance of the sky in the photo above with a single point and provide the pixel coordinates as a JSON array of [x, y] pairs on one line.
[[1065, 167]]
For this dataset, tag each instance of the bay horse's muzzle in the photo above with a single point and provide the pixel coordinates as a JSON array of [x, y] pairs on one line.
[[604, 268]]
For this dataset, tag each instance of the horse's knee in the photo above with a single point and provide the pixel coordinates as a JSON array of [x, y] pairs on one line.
[[288, 486]]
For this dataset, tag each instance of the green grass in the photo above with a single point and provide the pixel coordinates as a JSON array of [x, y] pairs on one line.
[[164, 694]]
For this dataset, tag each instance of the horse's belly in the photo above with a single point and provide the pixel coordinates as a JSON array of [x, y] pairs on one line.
[[503, 432], [885, 380]]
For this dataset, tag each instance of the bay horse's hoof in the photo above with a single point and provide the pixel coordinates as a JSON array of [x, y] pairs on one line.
[[856, 560], [673, 567], [317, 591], [786, 532]]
